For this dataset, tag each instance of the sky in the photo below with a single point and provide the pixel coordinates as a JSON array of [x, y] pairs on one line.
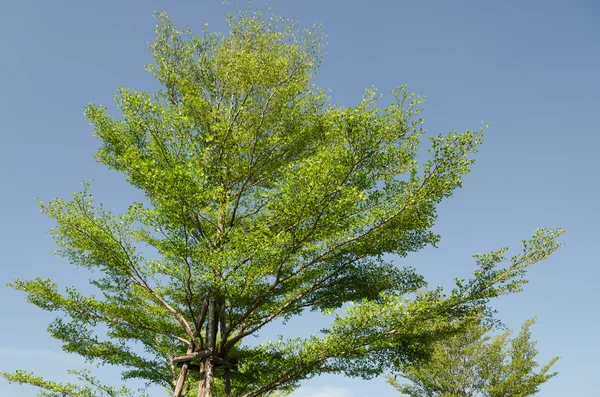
[[528, 68]]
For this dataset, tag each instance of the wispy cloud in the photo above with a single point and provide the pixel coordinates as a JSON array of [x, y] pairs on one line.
[[325, 391]]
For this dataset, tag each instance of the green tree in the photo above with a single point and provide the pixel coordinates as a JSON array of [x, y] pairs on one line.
[[262, 201], [472, 364]]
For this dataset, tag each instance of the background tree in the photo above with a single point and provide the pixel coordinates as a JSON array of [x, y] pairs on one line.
[[262, 201], [472, 364]]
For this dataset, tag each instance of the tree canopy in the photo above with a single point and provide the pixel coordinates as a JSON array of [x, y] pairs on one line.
[[263, 201], [472, 364]]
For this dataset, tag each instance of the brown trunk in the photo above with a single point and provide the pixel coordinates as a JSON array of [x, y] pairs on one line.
[[227, 379], [222, 327], [201, 382], [181, 380], [182, 375], [205, 387], [226, 371], [185, 368]]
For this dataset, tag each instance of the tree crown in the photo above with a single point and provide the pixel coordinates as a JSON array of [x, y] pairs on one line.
[[262, 201]]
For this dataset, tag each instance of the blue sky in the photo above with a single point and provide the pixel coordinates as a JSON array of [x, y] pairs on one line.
[[530, 69]]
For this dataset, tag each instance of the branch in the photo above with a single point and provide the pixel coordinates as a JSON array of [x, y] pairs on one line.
[[191, 356]]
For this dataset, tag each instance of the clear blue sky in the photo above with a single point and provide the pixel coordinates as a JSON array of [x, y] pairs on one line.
[[529, 68]]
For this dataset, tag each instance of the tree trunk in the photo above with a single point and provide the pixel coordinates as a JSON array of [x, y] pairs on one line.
[[226, 370], [181, 380], [185, 368], [183, 374], [206, 386], [201, 382], [227, 379]]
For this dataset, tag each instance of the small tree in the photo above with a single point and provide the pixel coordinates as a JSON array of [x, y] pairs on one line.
[[472, 364], [263, 201]]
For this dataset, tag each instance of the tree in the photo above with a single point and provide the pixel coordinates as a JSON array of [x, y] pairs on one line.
[[262, 201], [472, 364]]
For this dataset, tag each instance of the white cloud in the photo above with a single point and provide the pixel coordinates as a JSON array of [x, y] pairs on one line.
[[325, 391]]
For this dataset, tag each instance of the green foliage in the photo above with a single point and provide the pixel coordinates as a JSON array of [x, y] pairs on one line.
[[262, 201], [93, 388], [472, 364]]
